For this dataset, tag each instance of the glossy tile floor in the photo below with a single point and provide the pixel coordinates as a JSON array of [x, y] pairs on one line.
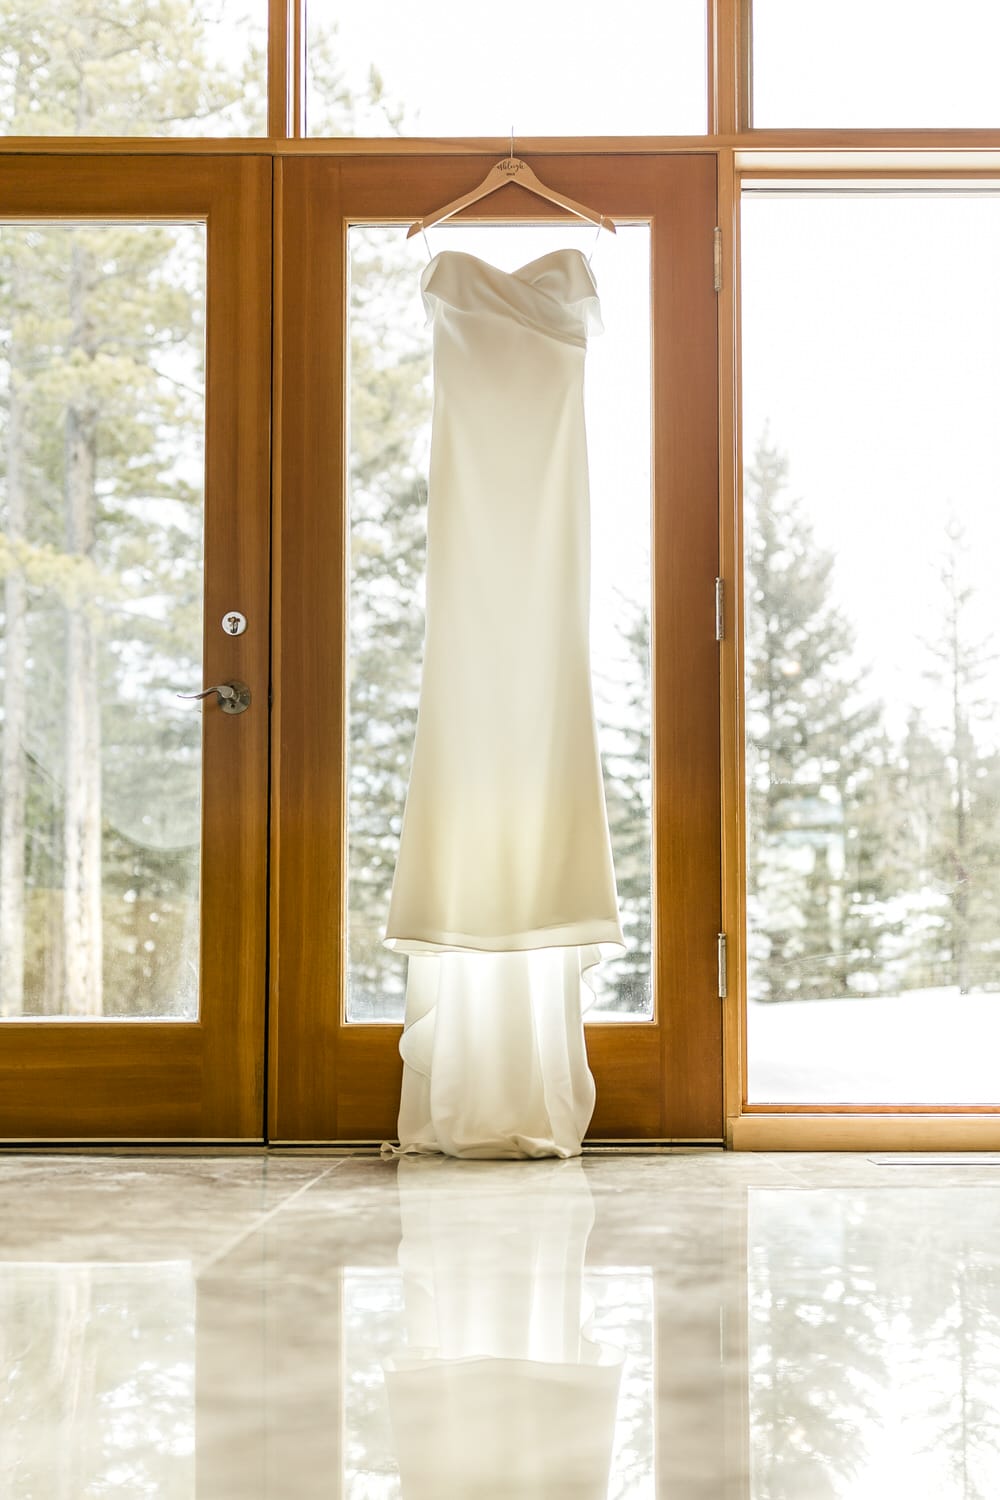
[[786, 1327]]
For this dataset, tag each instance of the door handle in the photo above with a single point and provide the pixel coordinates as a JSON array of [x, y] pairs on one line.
[[232, 697]]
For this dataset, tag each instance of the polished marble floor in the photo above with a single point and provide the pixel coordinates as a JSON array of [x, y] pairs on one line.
[[695, 1326]]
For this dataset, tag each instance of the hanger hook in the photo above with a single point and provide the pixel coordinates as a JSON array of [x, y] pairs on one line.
[[512, 143]]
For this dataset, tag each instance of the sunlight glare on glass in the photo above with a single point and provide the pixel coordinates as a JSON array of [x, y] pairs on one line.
[[387, 67], [875, 63]]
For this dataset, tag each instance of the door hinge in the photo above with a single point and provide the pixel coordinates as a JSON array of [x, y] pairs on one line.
[[720, 610], [723, 976], [717, 258]]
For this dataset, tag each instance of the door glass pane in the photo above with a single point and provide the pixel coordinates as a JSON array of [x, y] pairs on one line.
[[872, 523], [390, 396], [112, 67], [389, 67], [102, 447], [875, 63]]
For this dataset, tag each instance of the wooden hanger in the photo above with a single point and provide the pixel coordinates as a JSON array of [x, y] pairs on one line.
[[511, 169]]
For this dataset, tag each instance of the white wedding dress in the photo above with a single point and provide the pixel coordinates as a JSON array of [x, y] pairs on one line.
[[504, 890]]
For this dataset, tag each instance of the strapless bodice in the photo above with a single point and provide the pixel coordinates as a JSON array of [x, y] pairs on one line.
[[556, 294]]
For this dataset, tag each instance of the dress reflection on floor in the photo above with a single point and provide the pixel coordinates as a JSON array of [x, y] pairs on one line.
[[499, 1391]]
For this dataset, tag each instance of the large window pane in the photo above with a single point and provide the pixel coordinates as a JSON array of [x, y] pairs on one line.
[[101, 504], [871, 388], [390, 430], [869, 63], [388, 67], [112, 67]]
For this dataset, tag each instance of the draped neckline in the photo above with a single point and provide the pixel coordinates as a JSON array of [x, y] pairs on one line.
[[556, 293], [519, 273]]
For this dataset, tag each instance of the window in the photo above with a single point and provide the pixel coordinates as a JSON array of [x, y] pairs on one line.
[[102, 346], [389, 67], [872, 524], [875, 63], [114, 68]]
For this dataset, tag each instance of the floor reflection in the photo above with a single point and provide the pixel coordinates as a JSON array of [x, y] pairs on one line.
[[97, 1381], [874, 1345], [693, 1327], [492, 1362]]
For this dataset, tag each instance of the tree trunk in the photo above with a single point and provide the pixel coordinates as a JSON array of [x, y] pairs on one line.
[[51, 1001], [82, 925], [14, 787], [13, 757], [963, 752]]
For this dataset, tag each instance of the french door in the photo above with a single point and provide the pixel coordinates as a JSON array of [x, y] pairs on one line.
[[351, 422], [136, 390], [147, 990]]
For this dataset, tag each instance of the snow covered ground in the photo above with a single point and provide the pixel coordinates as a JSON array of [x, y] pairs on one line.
[[924, 1047]]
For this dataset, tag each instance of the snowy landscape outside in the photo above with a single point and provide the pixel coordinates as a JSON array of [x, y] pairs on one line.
[[872, 525]]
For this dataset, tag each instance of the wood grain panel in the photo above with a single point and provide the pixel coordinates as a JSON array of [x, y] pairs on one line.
[[96, 1071], [949, 152], [865, 1131], [729, 71], [626, 1062], [732, 745], [307, 914], [687, 829], [142, 1079], [333, 1081]]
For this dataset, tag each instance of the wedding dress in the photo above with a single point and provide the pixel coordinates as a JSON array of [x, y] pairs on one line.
[[504, 891]]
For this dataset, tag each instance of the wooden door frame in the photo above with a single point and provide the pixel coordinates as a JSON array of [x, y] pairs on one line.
[[334, 1082], [118, 1079]]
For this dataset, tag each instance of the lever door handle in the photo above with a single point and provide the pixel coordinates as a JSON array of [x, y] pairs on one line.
[[232, 697]]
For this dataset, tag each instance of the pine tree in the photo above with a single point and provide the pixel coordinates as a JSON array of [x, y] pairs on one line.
[[925, 807], [129, 67], [625, 983], [814, 877], [967, 829], [111, 523], [876, 871], [984, 820], [390, 406]]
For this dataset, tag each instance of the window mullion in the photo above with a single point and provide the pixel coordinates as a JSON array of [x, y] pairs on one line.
[[729, 34], [286, 69]]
